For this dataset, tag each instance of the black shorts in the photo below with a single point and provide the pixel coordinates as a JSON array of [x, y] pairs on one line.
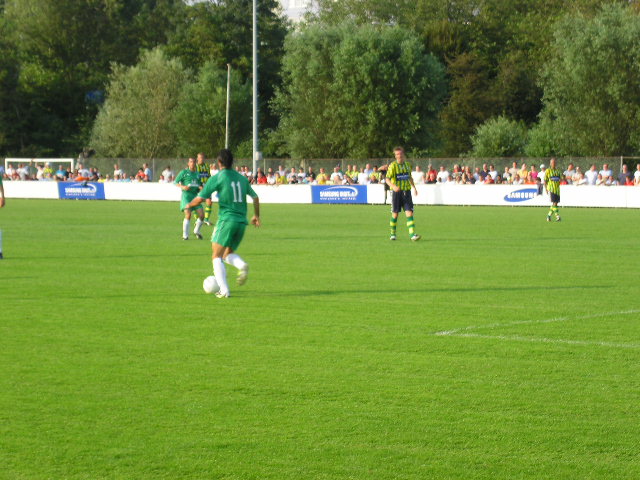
[[401, 201], [555, 198]]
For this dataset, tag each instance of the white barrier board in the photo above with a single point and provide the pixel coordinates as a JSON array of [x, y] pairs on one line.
[[498, 195]]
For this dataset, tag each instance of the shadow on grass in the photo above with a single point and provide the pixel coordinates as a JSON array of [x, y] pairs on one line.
[[323, 293]]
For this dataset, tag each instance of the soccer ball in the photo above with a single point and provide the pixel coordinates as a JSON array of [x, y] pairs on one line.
[[210, 285]]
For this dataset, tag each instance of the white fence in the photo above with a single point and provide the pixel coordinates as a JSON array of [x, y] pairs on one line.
[[498, 195]]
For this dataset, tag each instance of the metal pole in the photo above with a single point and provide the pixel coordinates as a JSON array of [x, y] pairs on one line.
[[255, 87], [226, 128]]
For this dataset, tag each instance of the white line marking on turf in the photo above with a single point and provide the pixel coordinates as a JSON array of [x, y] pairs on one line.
[[464, 332]]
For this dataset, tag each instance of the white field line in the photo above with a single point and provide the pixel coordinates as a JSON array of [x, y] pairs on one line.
[[466, 332]]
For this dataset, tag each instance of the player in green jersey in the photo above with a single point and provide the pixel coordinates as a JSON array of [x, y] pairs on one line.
[[232, 189], [189, 182], [400, 182], [552, 177], [204, 172]]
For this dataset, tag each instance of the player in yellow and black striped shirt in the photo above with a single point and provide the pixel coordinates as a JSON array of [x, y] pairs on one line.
[[204, 173], [400, 182], [552, 178]]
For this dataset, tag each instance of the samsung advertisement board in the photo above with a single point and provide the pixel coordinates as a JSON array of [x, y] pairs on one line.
[[339, 194], [81, 191]]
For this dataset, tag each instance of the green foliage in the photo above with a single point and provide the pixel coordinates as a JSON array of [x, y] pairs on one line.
[[221, 32], [358, 91], [591, 84], [63, 50], [470, 103], [135, 120], [499, 137], [199, 119], [545, 139]]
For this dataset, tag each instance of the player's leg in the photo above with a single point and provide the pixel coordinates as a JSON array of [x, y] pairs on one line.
[[219, 269], [395, 210], [408, 211], [233, 258], [185, 224], [207, 211], [199, 222]]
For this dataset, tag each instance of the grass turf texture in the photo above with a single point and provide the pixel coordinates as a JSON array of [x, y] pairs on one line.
[[326, 365]]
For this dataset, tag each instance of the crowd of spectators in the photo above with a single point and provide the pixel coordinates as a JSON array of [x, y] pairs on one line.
[[515, 174], [47, 172]]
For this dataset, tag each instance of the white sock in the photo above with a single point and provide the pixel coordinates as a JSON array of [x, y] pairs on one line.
[[235, 260], [185, 228], [220, 272], [198, 225]]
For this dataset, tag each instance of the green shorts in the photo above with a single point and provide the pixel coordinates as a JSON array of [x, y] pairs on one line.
[[185, 201], [228, 234]]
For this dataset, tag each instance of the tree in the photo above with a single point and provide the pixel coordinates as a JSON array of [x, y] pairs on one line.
[[135, 120], [199, 119], [63, 50], [499, 137], [358, 91], [221, 32], [591, 84], [470, 103]]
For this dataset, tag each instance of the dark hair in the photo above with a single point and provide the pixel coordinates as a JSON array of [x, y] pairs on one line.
[[225, 157]]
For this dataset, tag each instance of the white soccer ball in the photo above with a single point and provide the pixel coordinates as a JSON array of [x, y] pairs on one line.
[[210, 284]]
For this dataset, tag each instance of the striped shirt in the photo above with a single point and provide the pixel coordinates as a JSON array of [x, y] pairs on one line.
[[400, 174], [552, 179], [203, 172]]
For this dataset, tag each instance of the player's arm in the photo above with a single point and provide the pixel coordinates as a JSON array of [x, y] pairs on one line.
[[1, 194], [390, 173], [178, 184], [415, 190], [255, 220]]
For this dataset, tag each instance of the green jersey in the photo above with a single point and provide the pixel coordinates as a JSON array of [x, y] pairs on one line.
[[232, 189], [552, 179], [188, 178], [400, 174]]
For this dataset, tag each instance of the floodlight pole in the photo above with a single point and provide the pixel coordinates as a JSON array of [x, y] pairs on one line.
[[226, 127], [256, 153]]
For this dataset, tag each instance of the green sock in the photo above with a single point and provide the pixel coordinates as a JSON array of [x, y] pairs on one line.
[[393, 223], [207, 212], [410, 226], [550, 212]]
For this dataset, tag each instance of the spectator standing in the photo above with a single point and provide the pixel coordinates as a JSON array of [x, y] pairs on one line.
[[493, 172], [606, 172], [636, 175], [322, 177], [147, 172], [624, 175], [569, 173], [513, 170], [337, 176], [443, 175], [117, 171], [591, 175], [167, 175], [523, 172], [418, 176], [506, 176], [432, 175]]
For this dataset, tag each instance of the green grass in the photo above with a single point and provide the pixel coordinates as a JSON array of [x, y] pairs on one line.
[[114, 364]]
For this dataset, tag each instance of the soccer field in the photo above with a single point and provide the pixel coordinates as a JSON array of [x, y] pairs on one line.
[[500, 346]]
